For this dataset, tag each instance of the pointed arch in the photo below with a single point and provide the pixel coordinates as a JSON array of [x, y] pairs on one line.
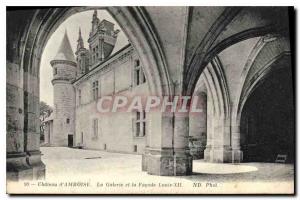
[[133, 21], [213, 81], [225, 32], [31, 41], [261, 61], [194, 68]]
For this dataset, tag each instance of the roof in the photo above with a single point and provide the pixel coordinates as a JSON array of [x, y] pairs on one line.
[[104, 61], [65, 50]]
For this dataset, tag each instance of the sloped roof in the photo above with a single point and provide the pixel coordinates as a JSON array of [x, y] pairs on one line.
[[65, 51]]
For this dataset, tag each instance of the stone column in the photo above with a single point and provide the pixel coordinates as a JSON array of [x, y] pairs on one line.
[[159, 158], [237, 154], [217, 140], [220, 149], [147, 147], [198, 129], [210, 132], [16, 162], [182, 159], [22, 144], [23, 136], [32, 125], [226, 145]]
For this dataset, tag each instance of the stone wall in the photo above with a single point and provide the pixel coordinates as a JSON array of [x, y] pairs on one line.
[[115, 130], [23, 157], [64, 108]]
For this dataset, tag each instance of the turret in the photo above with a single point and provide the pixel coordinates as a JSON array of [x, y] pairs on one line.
[[102, 39], [82, 56], [64, 71], [64, 64], [95, 22]]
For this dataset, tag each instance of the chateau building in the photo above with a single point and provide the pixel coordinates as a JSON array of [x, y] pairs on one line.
[[78, 84]]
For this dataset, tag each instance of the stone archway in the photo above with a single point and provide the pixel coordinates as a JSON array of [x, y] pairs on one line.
[[262, 61], [228, 29], [212, 84], [225, 32], [32, 31], [167, 152], [267, 118]]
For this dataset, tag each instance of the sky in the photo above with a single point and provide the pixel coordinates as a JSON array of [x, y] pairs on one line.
[[71, 25]]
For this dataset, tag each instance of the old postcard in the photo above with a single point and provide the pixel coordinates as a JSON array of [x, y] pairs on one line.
[[150, 100]]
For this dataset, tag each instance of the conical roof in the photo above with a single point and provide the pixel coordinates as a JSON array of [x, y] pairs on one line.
[[65, 50]]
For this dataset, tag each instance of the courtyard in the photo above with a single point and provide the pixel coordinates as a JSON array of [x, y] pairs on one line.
[[108, 171]]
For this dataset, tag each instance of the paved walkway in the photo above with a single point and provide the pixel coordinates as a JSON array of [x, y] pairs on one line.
[[101, 167]]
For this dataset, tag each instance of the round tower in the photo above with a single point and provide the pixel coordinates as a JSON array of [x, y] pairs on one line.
[[64, 71]]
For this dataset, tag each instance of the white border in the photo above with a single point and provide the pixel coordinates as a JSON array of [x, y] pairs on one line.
[[5, 3]]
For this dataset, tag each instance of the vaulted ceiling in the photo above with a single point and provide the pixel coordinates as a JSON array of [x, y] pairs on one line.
[[187, 38]]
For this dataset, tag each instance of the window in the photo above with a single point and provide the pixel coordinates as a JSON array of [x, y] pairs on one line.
[[134, 148], [68, 121], [95, 128], [139, 125], [95, 90], [82, 68], [81, 65], [139, 77], [55, 71], [79, 97]]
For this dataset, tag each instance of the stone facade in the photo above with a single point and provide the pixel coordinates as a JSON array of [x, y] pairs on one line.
[[115, 132], [96, 74]]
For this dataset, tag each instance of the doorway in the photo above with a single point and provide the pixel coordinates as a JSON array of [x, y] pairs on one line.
[[70, 140]]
